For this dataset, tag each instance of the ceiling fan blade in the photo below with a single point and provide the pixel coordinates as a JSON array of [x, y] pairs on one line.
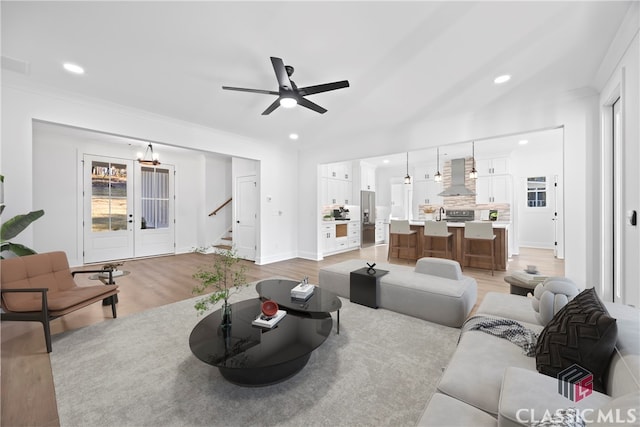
[[312, 106], [271, 107], [242, 89], [309, 90], [281, 73]]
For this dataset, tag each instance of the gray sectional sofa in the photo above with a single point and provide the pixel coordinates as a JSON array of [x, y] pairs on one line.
[[491, 382], [435, 290]]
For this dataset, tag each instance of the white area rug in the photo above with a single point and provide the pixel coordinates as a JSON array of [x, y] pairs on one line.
[[139, 371]]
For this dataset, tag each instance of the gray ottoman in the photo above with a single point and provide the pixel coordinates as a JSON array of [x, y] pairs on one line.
[[435, 290]]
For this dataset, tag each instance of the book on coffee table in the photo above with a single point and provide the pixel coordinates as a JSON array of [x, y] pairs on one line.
[[302, 291], [269, 322]]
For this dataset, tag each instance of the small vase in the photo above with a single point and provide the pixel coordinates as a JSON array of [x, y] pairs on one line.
[[226, 315]]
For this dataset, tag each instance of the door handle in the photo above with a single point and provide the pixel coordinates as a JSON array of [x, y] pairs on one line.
[[130, 221], [238, 222]]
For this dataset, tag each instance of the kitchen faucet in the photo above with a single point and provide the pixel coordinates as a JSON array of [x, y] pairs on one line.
[[440, 212]]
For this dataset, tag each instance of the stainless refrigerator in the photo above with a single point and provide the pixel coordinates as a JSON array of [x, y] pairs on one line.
[[368, 218]]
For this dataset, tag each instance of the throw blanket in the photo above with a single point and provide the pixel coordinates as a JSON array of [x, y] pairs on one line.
[[504, 328]]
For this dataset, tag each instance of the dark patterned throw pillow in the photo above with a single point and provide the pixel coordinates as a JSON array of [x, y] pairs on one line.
[[581, 333]]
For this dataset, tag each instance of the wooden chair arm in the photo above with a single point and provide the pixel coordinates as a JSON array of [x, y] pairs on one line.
[[45, 306], [3, 290]]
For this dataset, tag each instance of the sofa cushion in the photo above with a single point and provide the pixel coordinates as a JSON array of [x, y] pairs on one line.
[[581, 333], [510, 306], [446, 268], [526, 396], [443, 410], [474, 374], [625, 408]]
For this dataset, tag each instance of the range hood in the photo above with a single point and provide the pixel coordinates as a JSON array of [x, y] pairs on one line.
[[457, 180]]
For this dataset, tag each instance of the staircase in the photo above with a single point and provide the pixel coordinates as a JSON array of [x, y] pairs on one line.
[[225, 243]]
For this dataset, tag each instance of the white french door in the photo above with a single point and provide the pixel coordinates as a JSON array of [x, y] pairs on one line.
[[128, 209], [154, 204], [108, 209]]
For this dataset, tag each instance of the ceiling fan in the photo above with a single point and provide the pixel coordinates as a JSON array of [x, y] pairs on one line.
[[288, 93]]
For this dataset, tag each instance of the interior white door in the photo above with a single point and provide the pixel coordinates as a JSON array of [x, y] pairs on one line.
[[108, 209], [554, 207], [246, 214], [154, 222]]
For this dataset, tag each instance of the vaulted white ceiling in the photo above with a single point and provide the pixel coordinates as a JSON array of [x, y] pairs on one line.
[[405, 61]]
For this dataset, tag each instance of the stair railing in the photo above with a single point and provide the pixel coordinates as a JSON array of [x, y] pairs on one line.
[[221, 206]]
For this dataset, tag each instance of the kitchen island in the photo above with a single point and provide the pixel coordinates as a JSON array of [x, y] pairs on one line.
[[500, 229]]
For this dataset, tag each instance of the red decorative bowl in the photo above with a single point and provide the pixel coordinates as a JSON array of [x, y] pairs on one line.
[[269, 308]]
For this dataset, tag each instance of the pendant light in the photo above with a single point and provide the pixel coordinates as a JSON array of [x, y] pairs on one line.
[[153, 160], [438, 176], [474, 173], [407, 179]]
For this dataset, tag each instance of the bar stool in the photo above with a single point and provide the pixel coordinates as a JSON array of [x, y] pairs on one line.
[[437, 230], [397, 229], [478, 232]]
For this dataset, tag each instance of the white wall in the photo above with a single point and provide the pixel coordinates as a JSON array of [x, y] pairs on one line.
[[22, 104]]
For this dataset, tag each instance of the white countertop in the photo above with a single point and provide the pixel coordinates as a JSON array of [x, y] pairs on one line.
[[496, 224]]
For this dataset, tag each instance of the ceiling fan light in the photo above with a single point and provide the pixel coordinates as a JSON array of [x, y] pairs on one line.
[[288, 102]]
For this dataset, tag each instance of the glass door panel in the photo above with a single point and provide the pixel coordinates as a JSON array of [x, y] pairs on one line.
[[108, 212]]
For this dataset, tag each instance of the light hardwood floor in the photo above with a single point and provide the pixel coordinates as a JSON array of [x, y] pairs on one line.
[[27, 390]]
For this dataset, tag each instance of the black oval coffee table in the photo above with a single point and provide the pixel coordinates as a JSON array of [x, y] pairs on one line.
[[252, 356], [321, 302]]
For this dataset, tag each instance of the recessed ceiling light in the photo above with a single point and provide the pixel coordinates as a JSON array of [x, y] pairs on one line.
[[293, 136], [523, 142], [73, 68], [502, 79], [385, 161]]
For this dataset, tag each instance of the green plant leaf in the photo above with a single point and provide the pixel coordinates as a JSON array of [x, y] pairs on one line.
[[16, 248], [18, 223]]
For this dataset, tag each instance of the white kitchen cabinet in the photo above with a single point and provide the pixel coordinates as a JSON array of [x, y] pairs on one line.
[[339, 236], [429, 194], [379, 231], [493, 189], [338, 192], [337, 186], [488, 167], [328, 236], [426, 193], [367, 177], [425, 172], [342, 171], [354, 234]]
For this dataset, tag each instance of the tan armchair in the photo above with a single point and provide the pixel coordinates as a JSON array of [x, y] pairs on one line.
[[40, 288]]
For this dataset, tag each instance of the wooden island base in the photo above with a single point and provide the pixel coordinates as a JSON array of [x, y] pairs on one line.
[[415, 249]]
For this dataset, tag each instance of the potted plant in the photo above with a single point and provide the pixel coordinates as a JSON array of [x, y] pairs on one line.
[[15, 226], [225, 277]]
